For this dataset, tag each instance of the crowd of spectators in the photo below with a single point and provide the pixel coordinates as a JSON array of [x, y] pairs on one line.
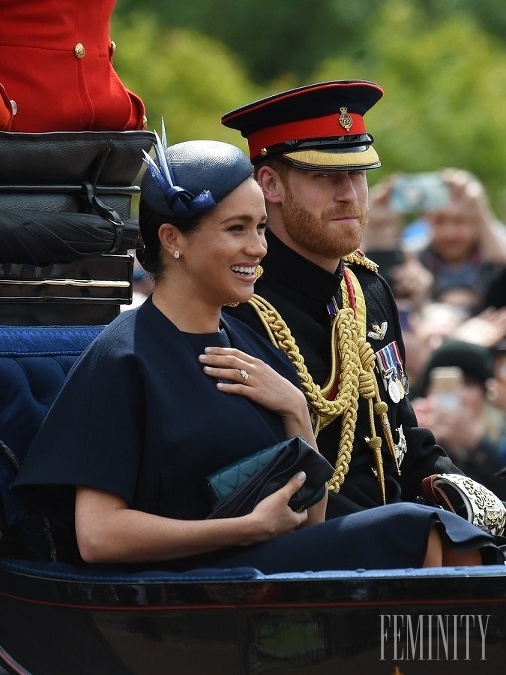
[[445, 258]]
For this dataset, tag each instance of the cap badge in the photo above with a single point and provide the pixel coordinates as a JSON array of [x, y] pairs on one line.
[[345, 119]]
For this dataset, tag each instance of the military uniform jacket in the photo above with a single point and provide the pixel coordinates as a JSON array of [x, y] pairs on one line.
[[56, 66], [301, 291]]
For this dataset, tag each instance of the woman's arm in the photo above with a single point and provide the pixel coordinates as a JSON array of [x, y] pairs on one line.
[[266, 387], [108, 531]]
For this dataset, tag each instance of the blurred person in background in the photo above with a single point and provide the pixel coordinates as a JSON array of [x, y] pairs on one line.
[[429, 327], [463, 420], [424, 331], [441, 265], [467, 244], [496, 390], [462, 245]]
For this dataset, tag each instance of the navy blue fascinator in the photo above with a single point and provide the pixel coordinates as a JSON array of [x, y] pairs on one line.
[[189, 178]]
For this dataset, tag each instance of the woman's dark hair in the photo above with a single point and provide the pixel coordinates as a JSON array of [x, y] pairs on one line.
[[148, 250]]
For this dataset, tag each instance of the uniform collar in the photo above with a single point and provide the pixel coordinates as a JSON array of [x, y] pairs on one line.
[[299, 274]]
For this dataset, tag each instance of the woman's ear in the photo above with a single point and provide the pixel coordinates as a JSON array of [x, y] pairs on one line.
[[170, 239], [271, 184]]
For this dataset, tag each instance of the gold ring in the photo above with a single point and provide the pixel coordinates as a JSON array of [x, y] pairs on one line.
[[244, 376]]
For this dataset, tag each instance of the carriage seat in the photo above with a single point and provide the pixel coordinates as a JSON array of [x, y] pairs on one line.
[[34, 362]]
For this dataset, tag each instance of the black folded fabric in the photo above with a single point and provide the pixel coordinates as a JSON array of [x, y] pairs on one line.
[[46, 237], [236, 489]]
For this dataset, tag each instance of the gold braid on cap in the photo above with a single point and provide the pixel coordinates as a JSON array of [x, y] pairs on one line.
[[351, 376]]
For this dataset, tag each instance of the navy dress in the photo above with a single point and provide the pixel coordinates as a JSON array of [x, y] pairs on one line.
[[138, 417]]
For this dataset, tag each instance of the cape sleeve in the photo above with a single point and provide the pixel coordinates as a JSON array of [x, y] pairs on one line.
[[92, 435]]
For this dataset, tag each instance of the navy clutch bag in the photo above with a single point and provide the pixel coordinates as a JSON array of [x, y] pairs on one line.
[[236, 489]]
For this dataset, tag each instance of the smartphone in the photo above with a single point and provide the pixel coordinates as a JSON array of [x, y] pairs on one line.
[[418, 192], [445, 384]]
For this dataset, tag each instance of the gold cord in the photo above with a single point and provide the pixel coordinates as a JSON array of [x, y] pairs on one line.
[[351, 373]]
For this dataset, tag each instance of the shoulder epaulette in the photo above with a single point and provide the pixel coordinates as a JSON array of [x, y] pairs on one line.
[[359, 258]]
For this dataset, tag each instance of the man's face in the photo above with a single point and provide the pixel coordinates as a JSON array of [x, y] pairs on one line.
[[324, 213], [452, 233]]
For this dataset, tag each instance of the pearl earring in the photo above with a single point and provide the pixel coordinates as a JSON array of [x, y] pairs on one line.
[[176, 254]]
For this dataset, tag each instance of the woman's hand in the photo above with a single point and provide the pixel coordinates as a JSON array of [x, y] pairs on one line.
[[272, 516], [251, 377]]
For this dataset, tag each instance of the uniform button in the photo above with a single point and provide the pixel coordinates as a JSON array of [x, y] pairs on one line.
[[80, 51], [113, 47], [14, 107]]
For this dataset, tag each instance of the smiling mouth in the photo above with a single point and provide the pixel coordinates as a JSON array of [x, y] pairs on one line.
[[243, 271]]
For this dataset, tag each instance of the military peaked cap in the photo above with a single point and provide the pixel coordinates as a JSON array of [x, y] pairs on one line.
[[312, 127]]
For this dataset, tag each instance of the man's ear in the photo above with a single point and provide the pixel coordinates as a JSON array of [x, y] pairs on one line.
[[170, 238], [271, 184]]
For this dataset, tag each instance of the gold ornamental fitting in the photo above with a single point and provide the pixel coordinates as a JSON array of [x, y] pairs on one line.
[[79, 50], [345, 119]]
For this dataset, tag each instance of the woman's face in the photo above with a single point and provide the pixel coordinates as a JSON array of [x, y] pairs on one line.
[[221, 256]]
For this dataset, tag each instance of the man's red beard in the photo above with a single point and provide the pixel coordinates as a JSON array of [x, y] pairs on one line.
[[315, 233]]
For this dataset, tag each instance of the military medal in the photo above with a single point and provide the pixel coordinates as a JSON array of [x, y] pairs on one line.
[[393, 391], [389, 365], [402, 377]]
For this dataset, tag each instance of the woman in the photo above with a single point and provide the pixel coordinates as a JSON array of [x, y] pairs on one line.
[[172, 391]]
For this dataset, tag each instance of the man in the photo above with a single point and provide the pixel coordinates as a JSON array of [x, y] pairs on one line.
[[466, 245], [323, 302]]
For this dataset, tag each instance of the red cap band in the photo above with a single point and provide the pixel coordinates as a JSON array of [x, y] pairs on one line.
[[319, 127]]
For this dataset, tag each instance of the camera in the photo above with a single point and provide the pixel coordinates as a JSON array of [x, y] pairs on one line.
[[417, 192]]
